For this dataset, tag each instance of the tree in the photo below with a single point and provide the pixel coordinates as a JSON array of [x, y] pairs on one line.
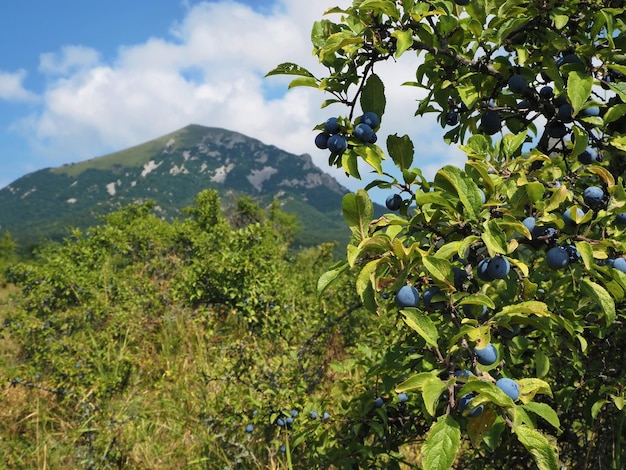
[[518, 249], [7, 246]]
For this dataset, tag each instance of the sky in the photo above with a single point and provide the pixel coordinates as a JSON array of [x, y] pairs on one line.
[[82, 79]]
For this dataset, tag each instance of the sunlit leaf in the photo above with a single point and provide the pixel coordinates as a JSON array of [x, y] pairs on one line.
[[441, 444]]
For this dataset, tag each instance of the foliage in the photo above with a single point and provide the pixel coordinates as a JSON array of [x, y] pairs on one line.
[[534, 93], [142, 343]]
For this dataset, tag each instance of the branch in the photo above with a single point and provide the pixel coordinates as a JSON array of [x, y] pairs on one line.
[[473, 64]]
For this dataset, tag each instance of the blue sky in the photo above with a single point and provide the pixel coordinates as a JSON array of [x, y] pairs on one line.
[[81, 79]]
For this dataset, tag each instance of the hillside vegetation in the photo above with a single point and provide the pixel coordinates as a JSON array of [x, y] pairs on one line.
[[141, 343]]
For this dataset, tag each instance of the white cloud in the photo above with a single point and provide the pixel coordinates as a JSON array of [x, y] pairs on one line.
[[69, 60], [209, 70], [12, 87]]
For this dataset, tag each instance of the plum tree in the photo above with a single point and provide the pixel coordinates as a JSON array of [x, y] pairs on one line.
[[486, 61]]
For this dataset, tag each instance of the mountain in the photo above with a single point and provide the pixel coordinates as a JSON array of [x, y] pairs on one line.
[[172, 170]]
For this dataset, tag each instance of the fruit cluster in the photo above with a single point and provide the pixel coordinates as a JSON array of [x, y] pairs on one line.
[[337, 137]]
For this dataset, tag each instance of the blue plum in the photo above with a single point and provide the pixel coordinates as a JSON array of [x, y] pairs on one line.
[[407, 296], [487, 355], [557, 258], [508, 386]]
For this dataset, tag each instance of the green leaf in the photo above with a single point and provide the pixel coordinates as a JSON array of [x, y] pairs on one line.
[[431, 391], [542, 363], [373, 96], [289, 68], [415, 382], [544, 411], [556, 199], [586, 253], [404, 41], [478, 299], [381, 6], [535, 191], [601, 297], [478, 426], [544, 453], [620, 89], [469, 95], [560, 21], [442, 444], [304, 81], [512, 142], [350, 163], [579, 88], [330, 276], [487, 392], [422, 324], [581, 140], [525, 308], [336, 42], [597, 407], [372, 155], [454, 181], [358, 211], [440, 269], [401, 151], [364, 279], [614, 113], [619, 142], [494, 237], [530, 387]]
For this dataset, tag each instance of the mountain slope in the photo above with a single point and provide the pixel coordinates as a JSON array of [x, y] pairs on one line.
[[171, 170]]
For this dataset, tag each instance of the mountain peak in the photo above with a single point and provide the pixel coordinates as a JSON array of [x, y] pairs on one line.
[[170, 170]]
